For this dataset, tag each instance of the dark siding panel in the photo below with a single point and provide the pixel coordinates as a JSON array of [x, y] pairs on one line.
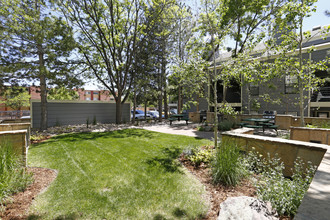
[[78, 113]]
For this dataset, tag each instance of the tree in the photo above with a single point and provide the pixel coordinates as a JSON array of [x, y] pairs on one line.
[[37, 49], [107, 33], [16, 98], [290, 62], [62, 93]]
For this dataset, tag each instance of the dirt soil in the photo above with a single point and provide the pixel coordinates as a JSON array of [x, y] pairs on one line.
[[19, 203]]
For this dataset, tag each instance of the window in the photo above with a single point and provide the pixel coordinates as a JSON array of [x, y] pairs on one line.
[[254, 90], [290, 84], [88, 93], [95, 98], [95, 93], [88, 99]]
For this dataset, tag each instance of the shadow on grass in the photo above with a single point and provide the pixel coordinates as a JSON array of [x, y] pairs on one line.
[[125, 133], [168, 160], [72, 216], [179, 213]]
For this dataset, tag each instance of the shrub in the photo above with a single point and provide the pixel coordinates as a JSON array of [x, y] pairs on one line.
[[284, 194], [228, 167], [200, 156], [13, 177], [225, 125]]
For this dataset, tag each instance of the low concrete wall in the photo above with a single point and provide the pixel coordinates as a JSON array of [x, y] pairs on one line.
[[10, 121], [194, 117], [287, 150], [14, 126], [315, 135], [18, 139]]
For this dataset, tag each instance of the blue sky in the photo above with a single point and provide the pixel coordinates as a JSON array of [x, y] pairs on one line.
[[318, 18]]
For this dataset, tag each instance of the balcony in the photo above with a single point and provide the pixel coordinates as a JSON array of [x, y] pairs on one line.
[[321, 98]]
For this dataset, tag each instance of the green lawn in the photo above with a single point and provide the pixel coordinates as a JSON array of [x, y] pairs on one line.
[[127, 174]]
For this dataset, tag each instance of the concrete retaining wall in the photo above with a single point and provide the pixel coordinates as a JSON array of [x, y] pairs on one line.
[[287, 150], [18, 139]]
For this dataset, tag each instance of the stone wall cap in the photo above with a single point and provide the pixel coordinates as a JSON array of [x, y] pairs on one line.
[[279, 140], [13, 124], [314, 129], [14, 132]]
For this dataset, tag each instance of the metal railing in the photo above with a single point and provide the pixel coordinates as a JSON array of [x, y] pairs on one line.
[[322, 95]]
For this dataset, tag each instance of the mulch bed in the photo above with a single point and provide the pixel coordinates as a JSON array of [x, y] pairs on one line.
[[19, 203], [217, 193]]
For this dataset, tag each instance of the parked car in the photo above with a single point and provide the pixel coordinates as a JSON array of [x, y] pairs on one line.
[[173, 111], [139, 114], [153, 114]]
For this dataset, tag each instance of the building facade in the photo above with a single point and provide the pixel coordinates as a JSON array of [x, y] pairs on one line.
[[279, 95]]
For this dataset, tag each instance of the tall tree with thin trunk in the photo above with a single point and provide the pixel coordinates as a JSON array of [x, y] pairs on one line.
[[291, 64]]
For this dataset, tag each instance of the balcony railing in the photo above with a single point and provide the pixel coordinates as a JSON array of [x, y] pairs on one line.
[[322, 95]]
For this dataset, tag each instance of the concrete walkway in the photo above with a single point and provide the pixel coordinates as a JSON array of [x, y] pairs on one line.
[[180, 128]]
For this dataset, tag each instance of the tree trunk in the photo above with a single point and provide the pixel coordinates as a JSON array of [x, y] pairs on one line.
[[165, 103], [215, 101], [134, 105], [43, 89], [118, 109], [179, 100], [301, 90], [145, 109], [160, 106]]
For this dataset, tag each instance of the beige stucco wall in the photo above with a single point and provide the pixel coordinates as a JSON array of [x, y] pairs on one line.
[[194, 117], [18, 140], [287, 150], [310, 134]]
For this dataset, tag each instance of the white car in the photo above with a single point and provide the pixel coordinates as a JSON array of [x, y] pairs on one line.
[[140, 114]]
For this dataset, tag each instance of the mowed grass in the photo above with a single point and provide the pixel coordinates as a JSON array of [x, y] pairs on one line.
[[126, 174]]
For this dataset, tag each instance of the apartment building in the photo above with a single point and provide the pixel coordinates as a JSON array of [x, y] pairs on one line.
[[280, 95]]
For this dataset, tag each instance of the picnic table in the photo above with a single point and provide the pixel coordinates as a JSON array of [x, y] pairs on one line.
[[178, 117], [260, 123]]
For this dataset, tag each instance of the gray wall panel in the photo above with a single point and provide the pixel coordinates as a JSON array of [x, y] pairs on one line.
[[69, 113]]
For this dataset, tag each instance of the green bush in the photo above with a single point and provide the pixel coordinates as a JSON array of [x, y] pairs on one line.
[[228, 167], [13, 177], [225, 125], [200, 156], [284, 194]]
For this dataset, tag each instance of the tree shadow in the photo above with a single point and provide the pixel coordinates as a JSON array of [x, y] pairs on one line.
[[167, 161], [124, 133], [71, 216], [179, 213], [159, 217]]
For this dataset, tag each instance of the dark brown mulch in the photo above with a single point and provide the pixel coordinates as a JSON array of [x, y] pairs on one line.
[[19, 203]]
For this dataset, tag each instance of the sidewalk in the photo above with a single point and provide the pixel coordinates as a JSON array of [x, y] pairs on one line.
[[180, 128]]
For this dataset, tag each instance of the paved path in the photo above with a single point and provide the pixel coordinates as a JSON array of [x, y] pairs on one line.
[[180, 128]]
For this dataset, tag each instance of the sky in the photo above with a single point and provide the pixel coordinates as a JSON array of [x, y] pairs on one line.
[[318, 18]]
